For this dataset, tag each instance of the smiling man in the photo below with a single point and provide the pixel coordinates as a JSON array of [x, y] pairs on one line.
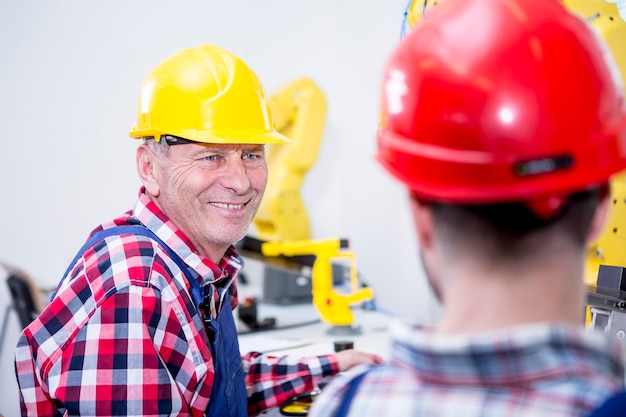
[[142, 324]]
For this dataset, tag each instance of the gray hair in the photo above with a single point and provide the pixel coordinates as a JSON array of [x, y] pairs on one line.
[[160, 148]]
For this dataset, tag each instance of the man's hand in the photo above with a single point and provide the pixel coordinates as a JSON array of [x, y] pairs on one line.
[[349, 358]]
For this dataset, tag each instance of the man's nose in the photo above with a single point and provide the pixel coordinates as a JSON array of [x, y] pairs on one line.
[[235, 175]]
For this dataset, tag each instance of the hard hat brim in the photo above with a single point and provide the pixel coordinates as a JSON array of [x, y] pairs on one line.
[[218, 136]]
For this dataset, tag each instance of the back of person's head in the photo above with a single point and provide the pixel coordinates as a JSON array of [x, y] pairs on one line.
[[507, 116], [507, 233]]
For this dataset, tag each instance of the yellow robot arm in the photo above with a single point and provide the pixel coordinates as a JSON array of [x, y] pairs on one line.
[[332, 306], [605, 17], [609, 248], [299, 111]]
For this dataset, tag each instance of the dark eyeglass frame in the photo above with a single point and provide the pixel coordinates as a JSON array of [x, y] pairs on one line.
[[171, 140]]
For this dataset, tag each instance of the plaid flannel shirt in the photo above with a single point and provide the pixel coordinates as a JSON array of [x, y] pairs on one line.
[[535, 370], [123, 337]]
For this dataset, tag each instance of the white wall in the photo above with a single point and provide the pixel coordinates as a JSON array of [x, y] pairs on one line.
[[9, 330], [70, 72]]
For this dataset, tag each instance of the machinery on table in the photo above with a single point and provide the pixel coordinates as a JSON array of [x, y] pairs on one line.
[[332, 304], [298, 269]]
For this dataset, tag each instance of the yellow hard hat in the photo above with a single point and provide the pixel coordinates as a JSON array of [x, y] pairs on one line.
[[205, 94]]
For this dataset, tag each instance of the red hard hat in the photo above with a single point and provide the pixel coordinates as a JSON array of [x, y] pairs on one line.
[[489, 101]]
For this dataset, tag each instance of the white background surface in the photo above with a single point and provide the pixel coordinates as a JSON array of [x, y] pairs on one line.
[[9, 405], [70, 73]]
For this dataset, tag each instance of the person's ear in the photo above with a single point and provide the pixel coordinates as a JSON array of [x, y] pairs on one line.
[[147, 168], [424, 224], [600, 216]]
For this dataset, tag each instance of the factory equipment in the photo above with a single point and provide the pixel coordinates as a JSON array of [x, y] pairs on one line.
[[297, 268]]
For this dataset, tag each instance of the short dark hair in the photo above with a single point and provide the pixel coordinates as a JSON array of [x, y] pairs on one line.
[[505, 231]]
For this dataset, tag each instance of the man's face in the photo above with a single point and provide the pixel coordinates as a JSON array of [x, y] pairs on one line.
[[211, 192]]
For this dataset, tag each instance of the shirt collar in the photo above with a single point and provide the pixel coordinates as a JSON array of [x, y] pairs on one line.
[[515, 355]]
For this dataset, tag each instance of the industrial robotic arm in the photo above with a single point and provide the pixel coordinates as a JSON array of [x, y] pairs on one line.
[[605, 274], [283, 241], [299, 111], [333, 306]]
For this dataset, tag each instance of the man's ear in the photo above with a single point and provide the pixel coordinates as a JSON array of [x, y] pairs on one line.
[[600, 217], [424, 223], [148, 169]]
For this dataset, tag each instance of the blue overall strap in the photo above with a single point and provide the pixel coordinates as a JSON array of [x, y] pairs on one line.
[[197, 292], [614, 406], [228, 393], [347, 399]]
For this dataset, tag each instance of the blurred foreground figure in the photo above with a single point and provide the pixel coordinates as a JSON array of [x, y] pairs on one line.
[[505, 120]]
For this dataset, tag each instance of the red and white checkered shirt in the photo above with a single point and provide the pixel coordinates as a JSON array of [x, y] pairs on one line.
[[536, 370], [122, 336]]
